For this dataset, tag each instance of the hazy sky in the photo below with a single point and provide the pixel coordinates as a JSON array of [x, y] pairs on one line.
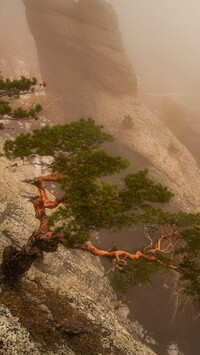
[[12, 16], [162, 36], [18, 53]]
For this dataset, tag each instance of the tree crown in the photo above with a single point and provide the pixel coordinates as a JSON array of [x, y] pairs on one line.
[[90, 202]]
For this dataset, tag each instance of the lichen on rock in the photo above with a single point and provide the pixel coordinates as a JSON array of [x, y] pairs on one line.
[[64, 294]]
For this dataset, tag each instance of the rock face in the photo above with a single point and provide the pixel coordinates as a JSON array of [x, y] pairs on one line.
[[83, 60], [14, 339], [72, 280], [80, 41]]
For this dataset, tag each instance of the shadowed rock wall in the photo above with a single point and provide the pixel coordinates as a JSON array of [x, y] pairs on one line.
[[80, 53]]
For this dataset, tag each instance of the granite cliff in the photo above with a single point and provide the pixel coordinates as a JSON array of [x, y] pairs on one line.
[[82, 58], [77, 49], [66, 305]]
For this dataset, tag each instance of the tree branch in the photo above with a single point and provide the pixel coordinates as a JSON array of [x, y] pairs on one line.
[[42, 202]]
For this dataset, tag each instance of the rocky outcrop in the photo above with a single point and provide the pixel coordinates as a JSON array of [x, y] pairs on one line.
[[80, 40], [83, 60], [65, 294], [14, 339]]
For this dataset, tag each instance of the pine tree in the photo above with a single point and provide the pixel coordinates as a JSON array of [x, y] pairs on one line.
[[91, 203], [10, 90]]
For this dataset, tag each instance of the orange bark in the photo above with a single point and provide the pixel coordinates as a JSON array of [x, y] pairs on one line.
[[121, 257], [42, 202], [160, 239]]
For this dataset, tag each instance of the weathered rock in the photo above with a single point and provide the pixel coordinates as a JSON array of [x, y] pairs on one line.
[[83, 60], [76, 275], [14, 339], [16, 210]]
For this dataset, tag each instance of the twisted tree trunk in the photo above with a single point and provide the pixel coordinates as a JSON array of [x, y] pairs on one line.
[[16, 262]]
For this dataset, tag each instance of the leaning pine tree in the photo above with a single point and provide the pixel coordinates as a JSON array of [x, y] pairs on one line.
[[90, 204]]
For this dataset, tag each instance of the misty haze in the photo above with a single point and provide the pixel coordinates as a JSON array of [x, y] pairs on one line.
[[163, 43], [134, 67]]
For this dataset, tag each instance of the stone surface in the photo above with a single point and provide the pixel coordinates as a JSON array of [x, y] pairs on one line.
[[76, 275], [14, 339], [16, 211], [83, 60]]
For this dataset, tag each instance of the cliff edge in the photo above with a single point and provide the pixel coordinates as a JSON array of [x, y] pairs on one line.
[[65, 305], [81, 57]]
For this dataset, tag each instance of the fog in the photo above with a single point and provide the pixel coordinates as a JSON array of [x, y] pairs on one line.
[[18, 53], [162, 39], [12, 18]]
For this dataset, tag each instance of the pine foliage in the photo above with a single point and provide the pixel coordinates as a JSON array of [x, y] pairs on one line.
[[91, 203]]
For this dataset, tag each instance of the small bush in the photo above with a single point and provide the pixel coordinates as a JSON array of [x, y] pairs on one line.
[[15, 86], [20, 113], [5, 108]]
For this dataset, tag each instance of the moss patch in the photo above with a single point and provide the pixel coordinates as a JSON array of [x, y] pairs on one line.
[[52, 320]]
